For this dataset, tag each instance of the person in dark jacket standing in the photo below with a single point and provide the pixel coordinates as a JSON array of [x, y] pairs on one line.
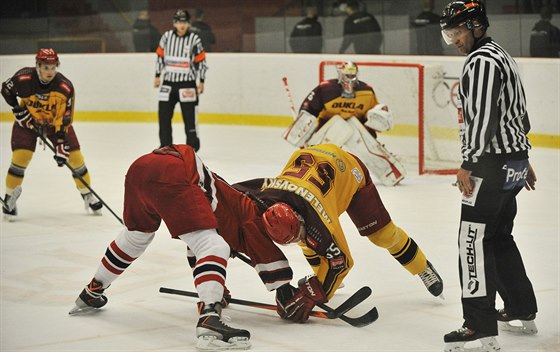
[[545, 37], [426, 26], [203, 30], [144, 34], [307, 35], [362, 30], [182, 61], [493, 124]]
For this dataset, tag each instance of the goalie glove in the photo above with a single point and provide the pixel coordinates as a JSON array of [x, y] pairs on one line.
[[23, 117], [303, 299], [301, 129], [379, 118], [62, 149]]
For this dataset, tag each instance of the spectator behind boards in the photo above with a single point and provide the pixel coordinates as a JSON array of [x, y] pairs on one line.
[[307, 35], [545, 37], [426, 26], [203, 30], [144, 34], [362, 30]]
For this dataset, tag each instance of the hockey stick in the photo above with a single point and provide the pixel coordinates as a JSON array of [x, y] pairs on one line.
[[75, 174], [331, 313], [290, 100], [350, 303]]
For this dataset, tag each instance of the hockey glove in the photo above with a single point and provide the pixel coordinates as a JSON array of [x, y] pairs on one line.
[[23, 117], [62, 149], [299, 306]]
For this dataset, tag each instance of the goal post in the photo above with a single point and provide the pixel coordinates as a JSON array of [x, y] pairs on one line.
[[417, 95]]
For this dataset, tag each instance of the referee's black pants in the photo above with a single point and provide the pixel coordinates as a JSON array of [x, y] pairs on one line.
[[489, 259], [188, 110]]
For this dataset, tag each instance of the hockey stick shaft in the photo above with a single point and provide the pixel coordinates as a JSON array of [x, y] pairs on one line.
[[241, 302], [289, 95], [79, 177]]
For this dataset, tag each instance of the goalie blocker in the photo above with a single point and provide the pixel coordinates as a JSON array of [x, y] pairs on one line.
[[352, 136]]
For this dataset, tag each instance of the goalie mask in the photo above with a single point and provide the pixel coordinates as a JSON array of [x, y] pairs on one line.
[[46, 63], [348, 78], [283, 224]]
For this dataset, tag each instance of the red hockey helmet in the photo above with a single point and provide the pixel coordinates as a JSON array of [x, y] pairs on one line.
[[282, 224], [47, 56]]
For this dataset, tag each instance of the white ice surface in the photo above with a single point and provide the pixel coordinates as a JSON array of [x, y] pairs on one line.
[[54, 248]]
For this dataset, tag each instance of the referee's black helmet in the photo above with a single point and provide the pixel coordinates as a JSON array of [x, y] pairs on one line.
[[468, 12], [182, 15]]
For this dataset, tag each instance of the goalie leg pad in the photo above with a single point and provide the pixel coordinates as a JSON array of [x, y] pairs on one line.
[[336, 131], [380, 162]]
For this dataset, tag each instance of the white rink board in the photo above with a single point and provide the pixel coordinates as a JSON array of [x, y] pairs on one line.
[[251, 84]]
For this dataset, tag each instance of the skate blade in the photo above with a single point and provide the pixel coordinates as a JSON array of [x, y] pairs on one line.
[[82, 310], [489, 344], [90, 211], [9, 218], [96, 212], [212, 343], [527, 327]]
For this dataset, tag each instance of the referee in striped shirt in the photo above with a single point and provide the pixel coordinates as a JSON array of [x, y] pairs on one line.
[[182, 60], [493, 125]]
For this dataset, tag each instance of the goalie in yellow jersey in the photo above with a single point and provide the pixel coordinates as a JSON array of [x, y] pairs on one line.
[[345, 111], [303, 205]]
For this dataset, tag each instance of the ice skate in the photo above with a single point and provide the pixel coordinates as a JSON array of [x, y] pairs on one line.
[[92, 203], [91, 299], [456, 341], [432, 281], [9, 209], [214, 335], [527, 326]]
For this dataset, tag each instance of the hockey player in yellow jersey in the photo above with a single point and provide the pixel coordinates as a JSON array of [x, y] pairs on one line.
[[45, 107], [303, 205], [345, 111]]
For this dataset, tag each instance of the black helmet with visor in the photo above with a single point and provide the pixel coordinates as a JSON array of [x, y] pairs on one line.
[[470, 13]]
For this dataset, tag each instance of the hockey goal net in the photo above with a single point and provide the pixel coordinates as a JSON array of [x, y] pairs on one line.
[[423, 104]]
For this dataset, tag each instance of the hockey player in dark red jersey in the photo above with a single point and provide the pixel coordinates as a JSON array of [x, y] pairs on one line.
[[303, 205], [172, 184], [45, 106], [345, 111]]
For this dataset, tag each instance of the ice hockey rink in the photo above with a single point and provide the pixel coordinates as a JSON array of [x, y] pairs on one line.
[[54, 248]]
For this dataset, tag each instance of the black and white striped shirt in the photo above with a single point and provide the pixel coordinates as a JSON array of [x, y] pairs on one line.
[[494, 115], [181, 58]]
